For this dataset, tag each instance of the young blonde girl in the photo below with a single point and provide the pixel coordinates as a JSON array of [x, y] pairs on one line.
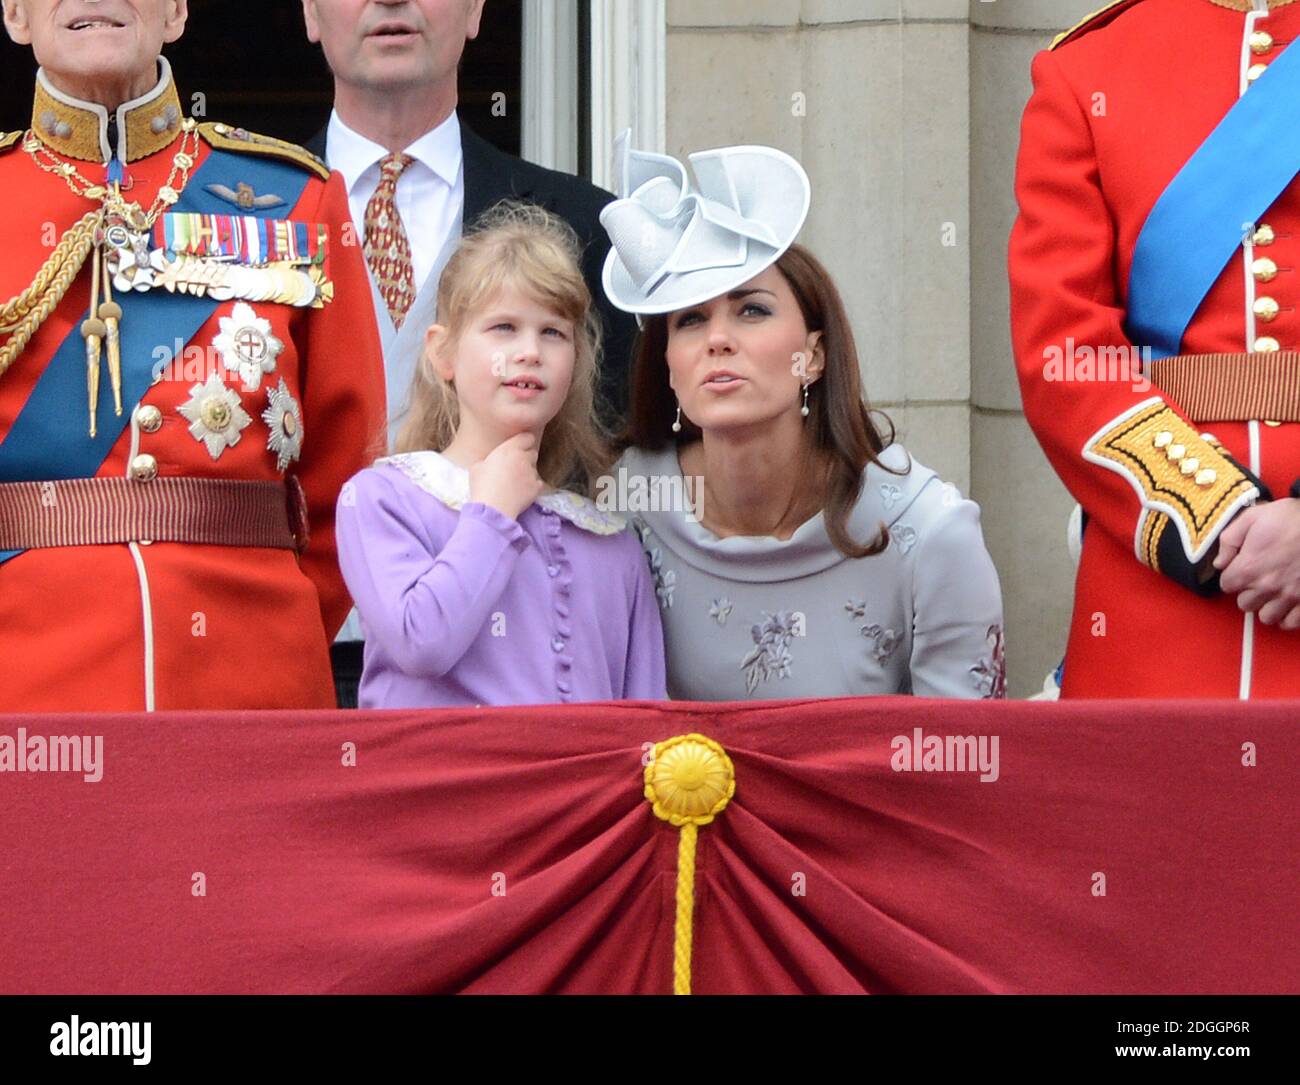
[[482, 572]]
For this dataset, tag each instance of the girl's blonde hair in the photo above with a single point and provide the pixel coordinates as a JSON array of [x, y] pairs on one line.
[[520, 245]]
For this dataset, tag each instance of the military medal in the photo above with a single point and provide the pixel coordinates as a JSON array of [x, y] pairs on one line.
[[215, 414], [225, 257], [284, 419], [246, 344]]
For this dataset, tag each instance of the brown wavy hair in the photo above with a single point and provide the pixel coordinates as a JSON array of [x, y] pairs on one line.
[[839, 426], [521, 245]]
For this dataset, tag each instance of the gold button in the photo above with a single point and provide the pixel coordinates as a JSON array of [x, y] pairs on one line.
[[1273, 424], [1164, 439], [1266, 309], [1206, 477], [1264, 269], [1264, 234], [215, 414], [1255, 71], [1175, 452], [1261, 42], [1266, 344], [1190, 465], [144, 468], [149, 417]]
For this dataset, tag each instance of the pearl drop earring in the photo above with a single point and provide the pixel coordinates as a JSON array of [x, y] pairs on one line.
[[804, 409], [677, 422]]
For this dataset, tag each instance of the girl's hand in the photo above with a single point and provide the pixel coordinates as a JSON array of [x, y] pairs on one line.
[[507, 478]]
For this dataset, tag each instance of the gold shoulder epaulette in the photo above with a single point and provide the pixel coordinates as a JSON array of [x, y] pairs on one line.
[[9, 139], [1092, 22], [240, 140]]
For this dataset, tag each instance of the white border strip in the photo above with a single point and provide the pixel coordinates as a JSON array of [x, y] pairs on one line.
[[628, 80], [549, 127]]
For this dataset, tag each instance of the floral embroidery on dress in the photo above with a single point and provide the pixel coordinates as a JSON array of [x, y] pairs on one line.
[[905, 536], [720, 609], [886, 640], [665, 579], [990, 674], [665, 582], [771, 655], [890, 495]]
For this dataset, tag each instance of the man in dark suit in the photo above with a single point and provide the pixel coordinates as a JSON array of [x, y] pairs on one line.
[[416, 176]]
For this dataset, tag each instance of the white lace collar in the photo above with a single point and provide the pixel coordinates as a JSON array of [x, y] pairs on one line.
[[449, 483]]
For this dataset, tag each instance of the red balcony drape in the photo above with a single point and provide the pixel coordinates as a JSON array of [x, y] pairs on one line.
[[501, 850]]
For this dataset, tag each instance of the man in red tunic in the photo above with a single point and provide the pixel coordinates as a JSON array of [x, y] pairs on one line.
[[189, 371], [1160, 220]]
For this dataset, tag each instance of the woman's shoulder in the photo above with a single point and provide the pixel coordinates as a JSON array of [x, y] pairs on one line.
[[897, 484], [910, 498], [919, 506]]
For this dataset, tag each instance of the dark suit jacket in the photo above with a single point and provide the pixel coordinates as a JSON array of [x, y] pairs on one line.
[[492, 174]]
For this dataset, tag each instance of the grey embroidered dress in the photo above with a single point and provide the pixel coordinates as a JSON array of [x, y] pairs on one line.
[[761, 618]]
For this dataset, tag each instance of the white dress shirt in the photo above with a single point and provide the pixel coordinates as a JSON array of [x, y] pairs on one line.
[[431, 200], [430, 194]]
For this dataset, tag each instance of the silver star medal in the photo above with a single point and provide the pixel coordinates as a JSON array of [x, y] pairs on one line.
[[247, 346], [284, 418], [215, 414]]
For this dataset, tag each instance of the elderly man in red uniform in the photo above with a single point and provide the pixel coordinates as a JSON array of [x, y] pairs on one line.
[[189, 371], [1160, 221]]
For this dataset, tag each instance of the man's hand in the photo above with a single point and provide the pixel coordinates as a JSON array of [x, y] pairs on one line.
[[1259, 556], [507, 478]]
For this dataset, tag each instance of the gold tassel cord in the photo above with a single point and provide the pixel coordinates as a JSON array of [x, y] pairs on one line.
[[22, 315], [689, 782]]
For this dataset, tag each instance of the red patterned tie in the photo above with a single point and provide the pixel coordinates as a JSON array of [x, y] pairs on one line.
[[388, 251]]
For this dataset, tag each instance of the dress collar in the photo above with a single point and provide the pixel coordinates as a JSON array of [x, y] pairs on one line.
[[886, 496], [433, 473], [77, 129]]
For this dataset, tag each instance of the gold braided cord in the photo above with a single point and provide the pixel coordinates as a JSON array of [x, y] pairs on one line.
[[23, 314], [689, 782], [683, 926]]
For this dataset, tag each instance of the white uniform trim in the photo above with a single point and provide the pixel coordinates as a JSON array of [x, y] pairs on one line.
[[146, 606], [146, 602], [1248, 258]]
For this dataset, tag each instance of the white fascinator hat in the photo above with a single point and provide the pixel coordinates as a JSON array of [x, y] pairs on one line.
[[675, 244]]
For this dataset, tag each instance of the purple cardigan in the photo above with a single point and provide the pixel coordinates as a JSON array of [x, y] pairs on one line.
[[461, 605]]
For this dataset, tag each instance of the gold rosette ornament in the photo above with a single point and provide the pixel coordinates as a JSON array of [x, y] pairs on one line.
[[688, 783]]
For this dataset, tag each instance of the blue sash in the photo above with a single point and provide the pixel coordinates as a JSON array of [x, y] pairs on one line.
[[49, 438], [1201, 219]]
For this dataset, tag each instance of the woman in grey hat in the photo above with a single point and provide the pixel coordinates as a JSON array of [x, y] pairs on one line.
[[797, 550]]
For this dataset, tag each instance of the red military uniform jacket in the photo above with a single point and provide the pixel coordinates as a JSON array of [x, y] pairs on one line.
[[173, 625], [1118, 106]]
